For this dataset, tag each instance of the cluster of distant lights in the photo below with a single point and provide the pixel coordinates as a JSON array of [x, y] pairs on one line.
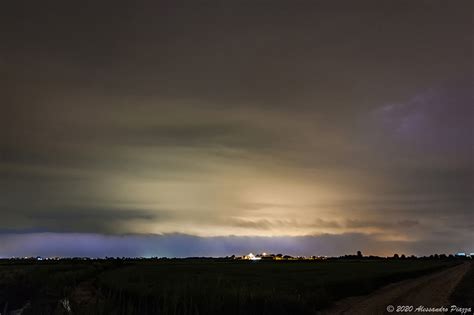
[[252, 256]]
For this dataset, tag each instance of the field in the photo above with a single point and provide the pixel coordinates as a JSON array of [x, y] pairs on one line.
[[195, 286]]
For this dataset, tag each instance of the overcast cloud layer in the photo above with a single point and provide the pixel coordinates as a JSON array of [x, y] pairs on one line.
[[306, 127]]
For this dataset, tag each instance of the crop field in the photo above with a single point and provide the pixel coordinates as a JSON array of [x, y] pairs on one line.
[[195, 286]]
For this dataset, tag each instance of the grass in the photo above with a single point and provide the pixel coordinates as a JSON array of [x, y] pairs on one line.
[[42, 284], [198, 286], [202, 287]]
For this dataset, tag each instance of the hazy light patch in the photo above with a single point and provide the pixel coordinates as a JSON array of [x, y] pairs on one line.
[[203, 190]]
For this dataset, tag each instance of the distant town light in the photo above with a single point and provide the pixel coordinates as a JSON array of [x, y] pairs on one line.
[[252, 257]]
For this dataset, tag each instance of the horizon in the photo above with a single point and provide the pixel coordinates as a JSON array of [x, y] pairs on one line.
[[186, 246], [240, 256]]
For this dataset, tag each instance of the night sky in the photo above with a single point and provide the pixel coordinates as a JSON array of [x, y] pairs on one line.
[[188, 128]]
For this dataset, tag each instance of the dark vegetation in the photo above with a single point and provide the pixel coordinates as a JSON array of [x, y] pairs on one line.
[[195, 286]]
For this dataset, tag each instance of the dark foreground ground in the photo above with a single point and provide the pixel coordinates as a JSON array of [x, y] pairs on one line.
[[431, 293], [202, 286]]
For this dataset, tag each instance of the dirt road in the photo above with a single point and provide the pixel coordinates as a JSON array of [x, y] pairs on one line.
[[432, 290]]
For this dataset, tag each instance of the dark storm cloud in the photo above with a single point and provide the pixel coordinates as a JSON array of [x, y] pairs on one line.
[[236, 135], [266, 53], [436, 121], [84, 218], [249, 118], [77, 219]]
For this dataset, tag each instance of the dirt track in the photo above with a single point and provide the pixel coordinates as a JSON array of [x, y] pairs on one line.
[[432, 290]]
